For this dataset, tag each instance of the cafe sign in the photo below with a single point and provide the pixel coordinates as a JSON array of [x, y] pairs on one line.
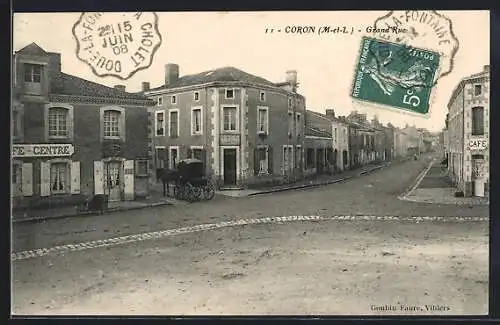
[[478, 144], [42, 150]]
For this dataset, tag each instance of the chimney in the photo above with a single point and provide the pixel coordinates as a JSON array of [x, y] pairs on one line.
[[120, 87], [171, 73], [330, 113], [145, 86], [291, 77], [486, 68]]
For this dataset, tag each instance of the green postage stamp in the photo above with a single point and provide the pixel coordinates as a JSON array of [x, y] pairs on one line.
[[395, 75]]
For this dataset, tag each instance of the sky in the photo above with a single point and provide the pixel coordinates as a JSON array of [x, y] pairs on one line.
[[325, 64]]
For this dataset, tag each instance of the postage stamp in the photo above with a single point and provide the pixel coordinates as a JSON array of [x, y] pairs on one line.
[[395, 75], [424, 29], [117, 44]]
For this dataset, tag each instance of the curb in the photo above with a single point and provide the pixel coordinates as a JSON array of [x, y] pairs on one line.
[[300, 186], [90, 213], [317, 184]]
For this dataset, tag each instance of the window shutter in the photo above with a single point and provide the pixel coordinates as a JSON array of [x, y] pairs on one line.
[[270, 160], [256, 161], [128, 179], [27, 179], [98, 177], [44, 179], [75, 177]]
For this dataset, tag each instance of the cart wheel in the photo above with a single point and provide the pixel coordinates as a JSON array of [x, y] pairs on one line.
[[196, 193], [189, 193], [209, 191]]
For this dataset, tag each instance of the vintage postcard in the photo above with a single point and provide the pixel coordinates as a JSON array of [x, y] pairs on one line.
[[250, 163]]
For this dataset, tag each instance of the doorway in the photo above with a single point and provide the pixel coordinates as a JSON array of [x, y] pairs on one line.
[[229, 166], [113, 180]]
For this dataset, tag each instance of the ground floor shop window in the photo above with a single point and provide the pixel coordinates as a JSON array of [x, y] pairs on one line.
[[58, 177]]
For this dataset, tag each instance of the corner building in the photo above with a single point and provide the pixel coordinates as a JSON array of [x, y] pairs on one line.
[[245, 128], [73, 138], [468, 134]]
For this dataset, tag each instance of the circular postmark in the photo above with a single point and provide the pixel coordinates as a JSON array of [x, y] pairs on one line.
[[117, 44], [421, 29]]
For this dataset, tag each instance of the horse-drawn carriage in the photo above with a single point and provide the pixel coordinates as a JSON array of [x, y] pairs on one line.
[[190, 181]]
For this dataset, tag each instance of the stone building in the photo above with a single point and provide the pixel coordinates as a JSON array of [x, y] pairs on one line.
[[468, 134], [72, 137], [245, 128]]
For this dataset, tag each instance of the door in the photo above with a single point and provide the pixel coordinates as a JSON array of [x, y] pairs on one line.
[[113, 180], [229, 166]]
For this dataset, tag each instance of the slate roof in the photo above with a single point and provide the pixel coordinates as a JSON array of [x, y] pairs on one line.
[[220, 74], [32, 49], [65, 84], [310, 131]]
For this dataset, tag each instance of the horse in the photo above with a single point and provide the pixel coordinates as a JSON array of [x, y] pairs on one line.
[[166, 176]]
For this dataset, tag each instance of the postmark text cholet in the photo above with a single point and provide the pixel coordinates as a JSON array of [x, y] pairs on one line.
[[117, 44]]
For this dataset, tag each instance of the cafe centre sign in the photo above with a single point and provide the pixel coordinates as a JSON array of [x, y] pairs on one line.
[[42, 150]]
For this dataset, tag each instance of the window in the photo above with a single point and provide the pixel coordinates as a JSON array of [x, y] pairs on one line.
[[160, 123], [32, 73], [261, 161], [173, 157], [160, 101], [141, 167], [196, 96], [111, 124], [263, 120], [335, 135], [310, 158], [298, 127], [229, 116], [15, 123], [173, 99], [196, 123], [58, 177], [290, 102], [477, 90], [298, 157], [229, 93], [262, 96], [477, 121], [58, 122], [17, 182], [174, 124], [197, 153]]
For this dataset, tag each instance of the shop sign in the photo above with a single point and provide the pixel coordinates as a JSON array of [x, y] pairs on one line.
[[478, 144], [42, 150]]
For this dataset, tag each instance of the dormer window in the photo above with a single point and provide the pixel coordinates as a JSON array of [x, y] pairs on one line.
[[32, 73], [229, 93]]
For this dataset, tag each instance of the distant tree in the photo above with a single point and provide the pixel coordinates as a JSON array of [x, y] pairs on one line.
[[389, 125]]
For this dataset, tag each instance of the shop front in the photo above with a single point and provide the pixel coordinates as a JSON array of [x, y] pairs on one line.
[[44, 174]]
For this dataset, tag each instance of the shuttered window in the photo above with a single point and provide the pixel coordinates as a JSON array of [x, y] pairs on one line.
[[477, 121], [59, 177], [174, 124], [261, 162]]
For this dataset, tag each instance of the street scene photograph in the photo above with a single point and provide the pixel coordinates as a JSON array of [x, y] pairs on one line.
[[250, 163]]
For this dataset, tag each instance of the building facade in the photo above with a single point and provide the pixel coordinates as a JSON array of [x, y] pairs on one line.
[[468, 134], [245, 128], [72, 137]]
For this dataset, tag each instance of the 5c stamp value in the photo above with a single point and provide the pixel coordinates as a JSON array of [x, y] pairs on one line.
[[117, 44], [395, 75]]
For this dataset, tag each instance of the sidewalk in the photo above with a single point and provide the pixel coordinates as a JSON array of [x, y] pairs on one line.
[[72, 211], [321, 180], [436, 188]]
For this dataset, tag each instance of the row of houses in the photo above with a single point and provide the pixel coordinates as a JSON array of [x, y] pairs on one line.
[[466, 134], [73, 138]]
